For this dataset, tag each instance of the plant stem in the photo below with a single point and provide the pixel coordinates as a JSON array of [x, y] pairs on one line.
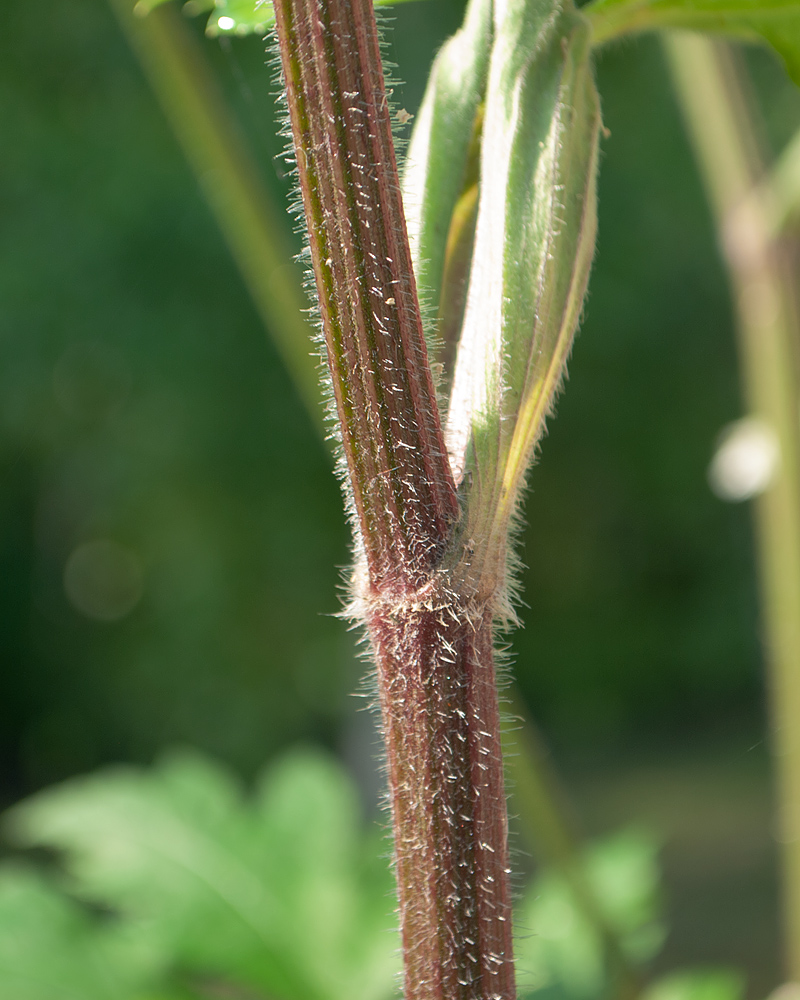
[[723, 137], [439, 704], [176, 69], [432, 642], [402, 488]]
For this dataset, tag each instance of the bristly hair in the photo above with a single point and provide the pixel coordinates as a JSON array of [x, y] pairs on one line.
[[351, 611]]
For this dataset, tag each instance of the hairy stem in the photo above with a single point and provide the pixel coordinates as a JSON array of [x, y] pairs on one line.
[[432, 643], [402, 489], [438, 699], [723, 135]]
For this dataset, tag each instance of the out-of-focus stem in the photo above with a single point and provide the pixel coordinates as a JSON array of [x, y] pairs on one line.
[[722, 133], [784, 186], [541, 803], [176, 69]]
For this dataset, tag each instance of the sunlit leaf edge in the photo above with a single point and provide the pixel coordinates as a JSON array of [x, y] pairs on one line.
[[776, 24]]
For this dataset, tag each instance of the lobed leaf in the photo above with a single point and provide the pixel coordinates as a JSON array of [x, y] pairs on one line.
[[182, 866], [776, 22], [283, 895], [51, 948]]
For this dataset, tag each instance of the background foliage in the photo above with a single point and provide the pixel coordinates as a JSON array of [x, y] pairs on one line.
[[178, 888]]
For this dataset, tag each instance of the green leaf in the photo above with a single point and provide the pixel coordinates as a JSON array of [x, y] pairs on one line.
[[230, 17], [776, 22], [283, 894], [52, 949], [558, 949], [240, 17]]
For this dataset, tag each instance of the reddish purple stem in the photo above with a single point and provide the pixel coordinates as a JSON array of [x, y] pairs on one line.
[[439, 706]]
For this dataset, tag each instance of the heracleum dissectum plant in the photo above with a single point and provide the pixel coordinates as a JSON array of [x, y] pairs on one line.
[[432, 509]]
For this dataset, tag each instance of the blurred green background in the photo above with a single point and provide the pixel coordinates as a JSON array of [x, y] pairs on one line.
[[171, 536]]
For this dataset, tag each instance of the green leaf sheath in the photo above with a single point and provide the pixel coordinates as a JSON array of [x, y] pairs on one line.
[[436, 167], [403, 498], [533, 250], [776, 22], [455, 278]]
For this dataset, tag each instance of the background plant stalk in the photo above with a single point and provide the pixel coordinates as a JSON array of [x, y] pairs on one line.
[[432, 642], [723, 136]]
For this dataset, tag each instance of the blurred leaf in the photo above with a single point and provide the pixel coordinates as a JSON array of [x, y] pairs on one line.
[[231, 17], [774, 21], [558, 950], [240, 17], [626, 878], [283, 894], [236, 17], [50, 948], [708, 984]]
